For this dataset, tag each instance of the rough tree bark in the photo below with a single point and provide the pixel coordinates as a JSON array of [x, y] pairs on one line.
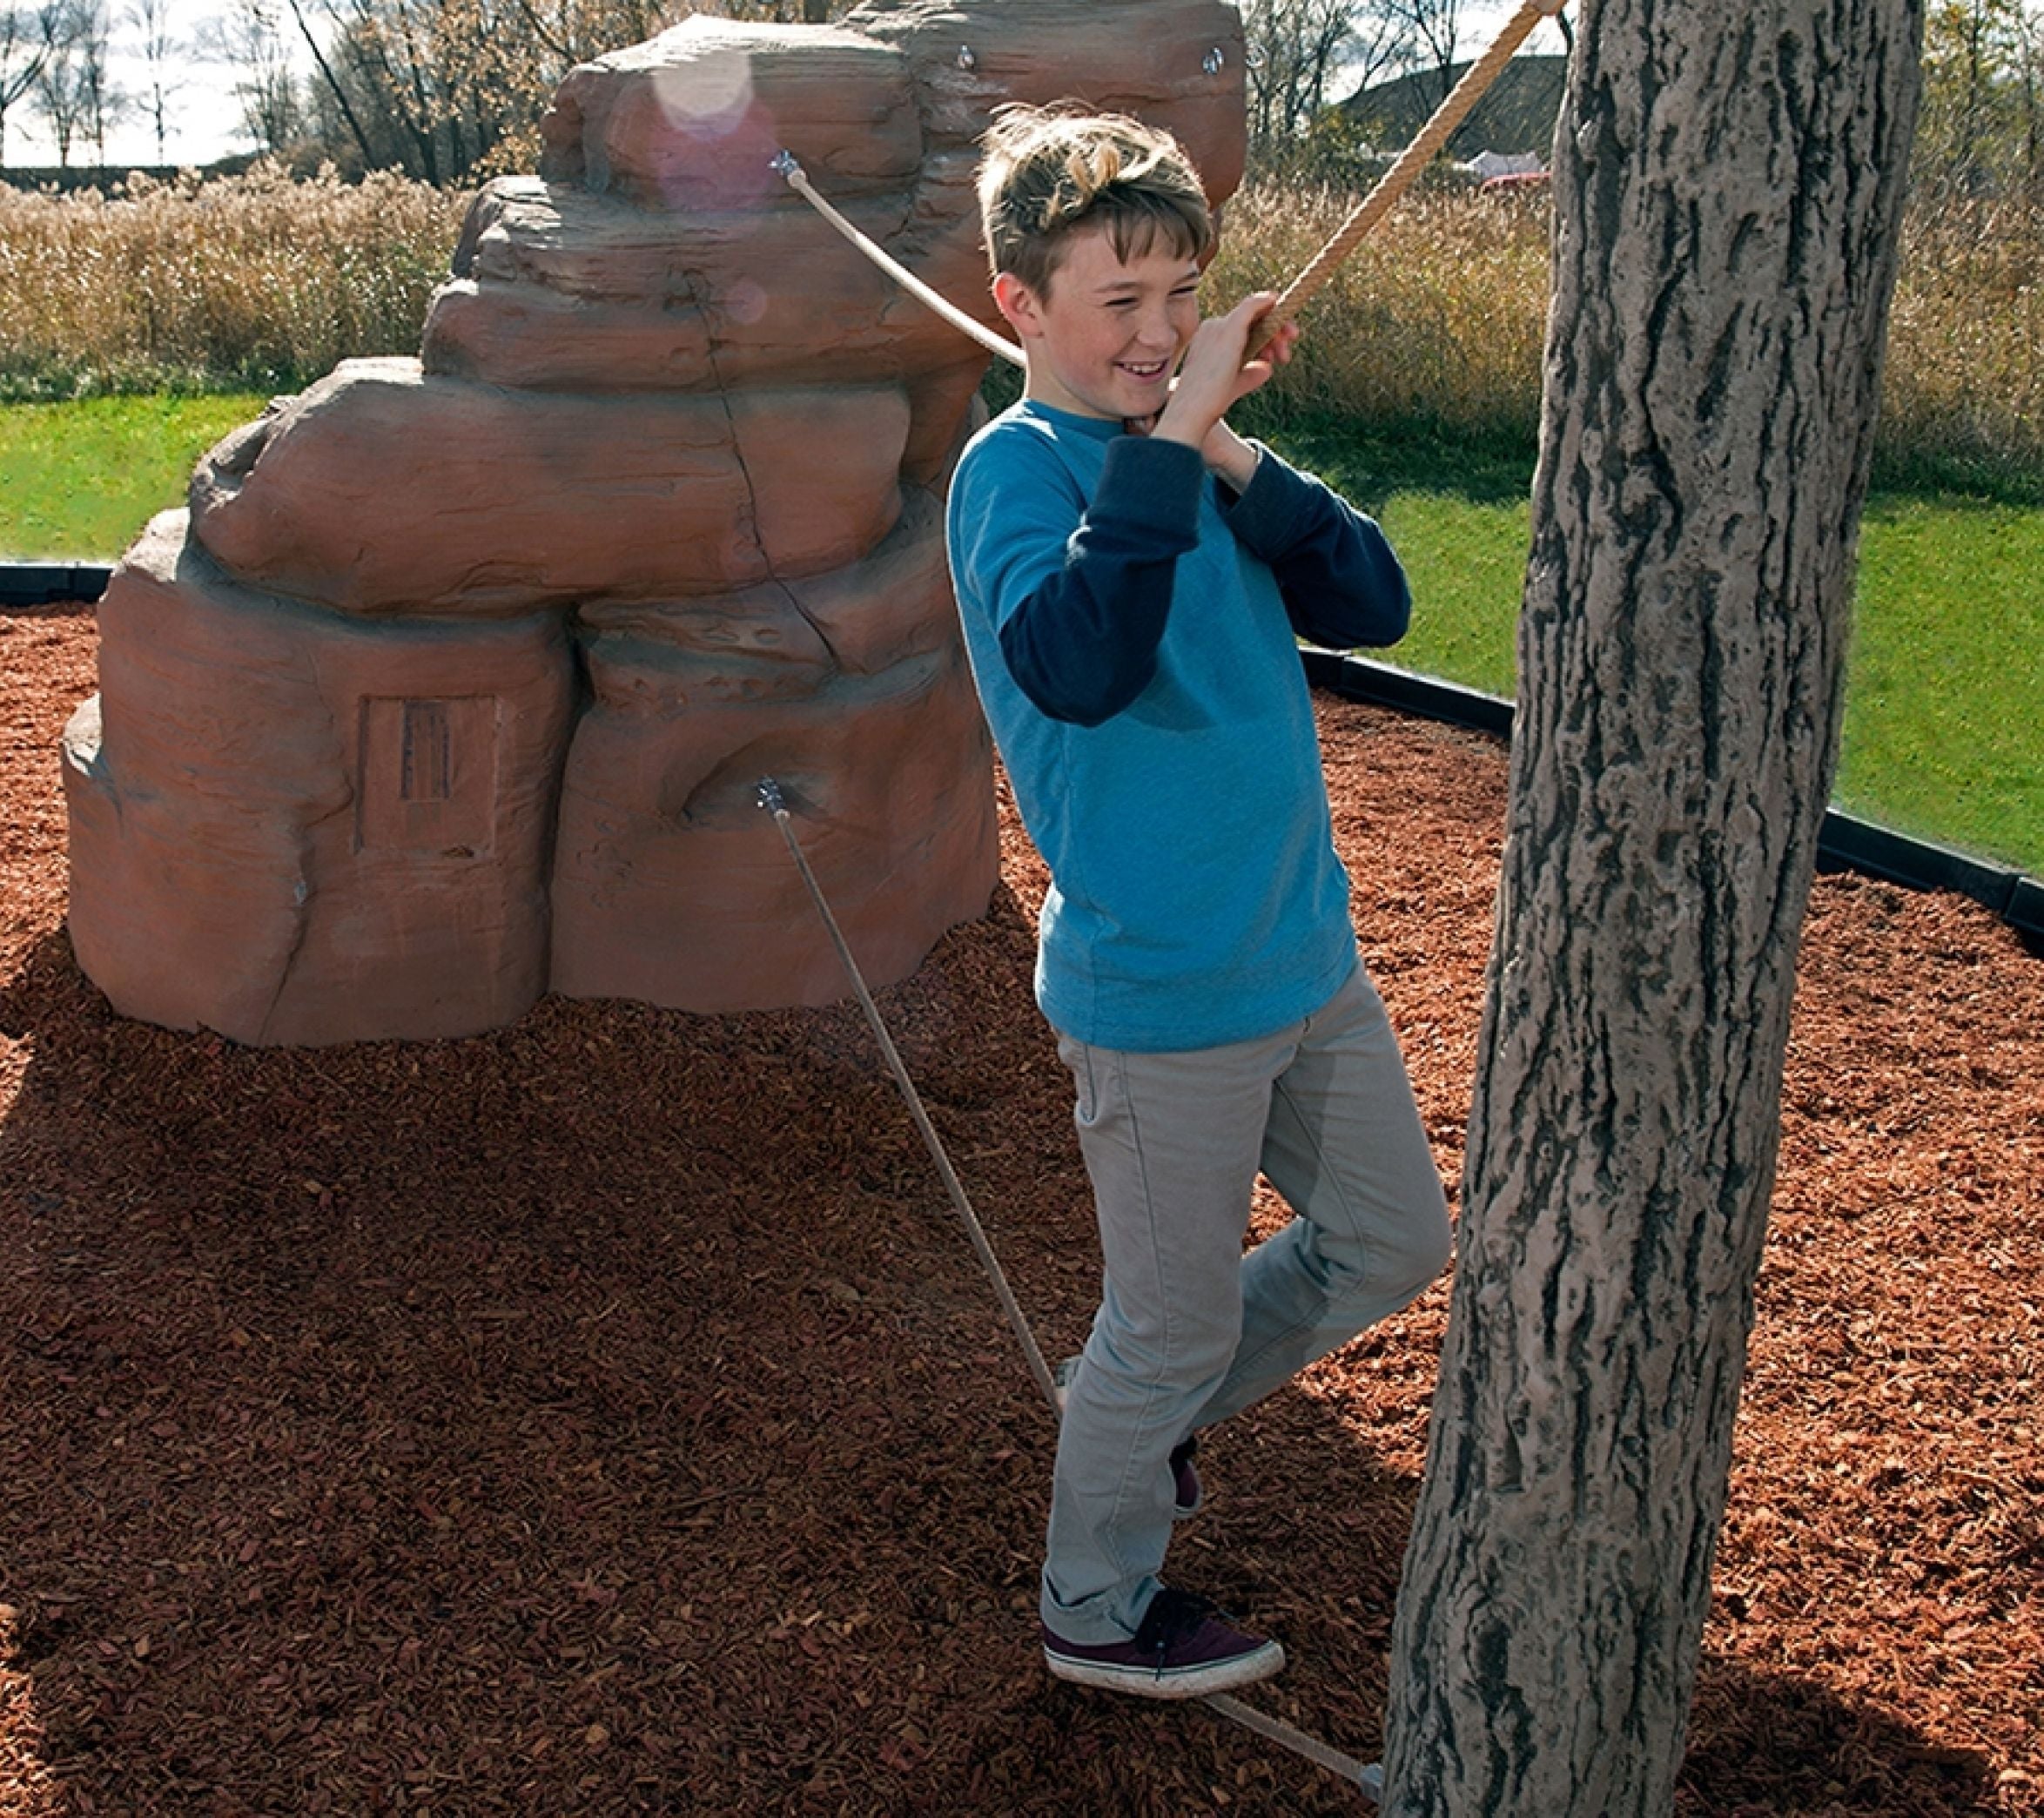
[[1728, 188]]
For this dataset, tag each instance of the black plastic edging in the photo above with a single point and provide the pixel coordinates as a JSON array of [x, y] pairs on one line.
[[43, 583], [1845, 843]]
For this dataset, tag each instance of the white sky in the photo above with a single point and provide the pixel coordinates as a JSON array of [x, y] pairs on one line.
[[1477, 21], [205, 119]]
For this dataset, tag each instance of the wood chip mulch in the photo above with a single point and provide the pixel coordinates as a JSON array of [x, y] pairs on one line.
[[607, 1415]]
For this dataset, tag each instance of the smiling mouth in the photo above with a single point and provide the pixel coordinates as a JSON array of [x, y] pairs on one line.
[[1155, 369]]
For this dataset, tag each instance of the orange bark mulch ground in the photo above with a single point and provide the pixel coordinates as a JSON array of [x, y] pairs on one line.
[[607, 1415]]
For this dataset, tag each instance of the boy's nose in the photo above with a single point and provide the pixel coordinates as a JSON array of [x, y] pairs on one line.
[[1157, 330]]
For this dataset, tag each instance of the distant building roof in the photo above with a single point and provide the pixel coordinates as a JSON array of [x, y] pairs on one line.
[[1517, 115]]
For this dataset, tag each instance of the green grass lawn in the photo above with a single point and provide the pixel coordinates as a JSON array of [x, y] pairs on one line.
[[1944, 685], [1944, 734], [79, 481]]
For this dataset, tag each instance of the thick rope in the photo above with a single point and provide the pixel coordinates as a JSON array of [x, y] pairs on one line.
[[1369, 1777], [1275, 1729], [798, 181], [1414, 159], [775, 803], [1476, 81]]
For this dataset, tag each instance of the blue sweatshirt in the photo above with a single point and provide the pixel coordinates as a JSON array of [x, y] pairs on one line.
[[1130, 624]]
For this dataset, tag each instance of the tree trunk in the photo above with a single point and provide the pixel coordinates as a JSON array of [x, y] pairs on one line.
[[1728, 187]]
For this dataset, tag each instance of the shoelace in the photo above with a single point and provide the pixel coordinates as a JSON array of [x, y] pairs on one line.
[[1171, 1616]]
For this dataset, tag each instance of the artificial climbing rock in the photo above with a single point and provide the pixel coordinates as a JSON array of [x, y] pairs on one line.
[[454, 683]]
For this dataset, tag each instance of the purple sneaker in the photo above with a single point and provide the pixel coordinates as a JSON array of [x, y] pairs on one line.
[[1182, 1649]]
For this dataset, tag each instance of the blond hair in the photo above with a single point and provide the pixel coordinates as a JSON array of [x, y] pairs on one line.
[[1048, 172]]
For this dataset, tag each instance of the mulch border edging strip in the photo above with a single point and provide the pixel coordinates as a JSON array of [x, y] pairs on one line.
[[1845, 843], [43, 583]]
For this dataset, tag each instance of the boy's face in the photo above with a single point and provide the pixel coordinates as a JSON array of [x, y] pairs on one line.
[[1106, 339]]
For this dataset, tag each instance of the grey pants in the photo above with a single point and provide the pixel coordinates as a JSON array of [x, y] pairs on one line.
[[1190, 1328]]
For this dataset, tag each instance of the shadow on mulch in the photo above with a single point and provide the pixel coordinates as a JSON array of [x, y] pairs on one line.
[[606, 1415], [603, 1416], [1827, 1755]]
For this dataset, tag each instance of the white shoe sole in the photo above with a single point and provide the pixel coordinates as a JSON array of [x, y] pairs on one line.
[[1177, 1682]]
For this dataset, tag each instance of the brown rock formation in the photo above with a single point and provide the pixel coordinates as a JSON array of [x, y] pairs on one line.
[[455, 683], [293, 827]]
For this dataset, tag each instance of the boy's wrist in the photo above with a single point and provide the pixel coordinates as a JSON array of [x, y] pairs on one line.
[[1229, 458], [1180, 429]]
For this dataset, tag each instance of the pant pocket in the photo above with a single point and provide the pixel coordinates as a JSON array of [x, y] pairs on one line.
[[1084, 1069]]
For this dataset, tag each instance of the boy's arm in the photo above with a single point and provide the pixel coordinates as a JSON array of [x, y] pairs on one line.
[[1080, 611], [1343, 584]]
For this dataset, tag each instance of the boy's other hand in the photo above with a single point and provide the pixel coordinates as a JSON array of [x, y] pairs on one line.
[[1217, 371]]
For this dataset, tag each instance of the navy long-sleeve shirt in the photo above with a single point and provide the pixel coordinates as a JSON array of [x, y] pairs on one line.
[[1083, 645], [1132, 632]]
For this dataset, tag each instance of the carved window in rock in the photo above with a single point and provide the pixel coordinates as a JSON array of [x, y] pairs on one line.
[[426, 780]]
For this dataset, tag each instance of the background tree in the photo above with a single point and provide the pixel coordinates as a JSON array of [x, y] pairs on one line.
[[449, 89], [1297, 50], [1982, 129], [105, 102], [249, 39], [63, 84], [163, 54], [1431, 30], [26, 35], [1728, 191], [433, 85]]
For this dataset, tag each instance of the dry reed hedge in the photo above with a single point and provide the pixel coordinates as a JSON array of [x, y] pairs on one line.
[[258, 280], [1966, 354], [1439, 316]]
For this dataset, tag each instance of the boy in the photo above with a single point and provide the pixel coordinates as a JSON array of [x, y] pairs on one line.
[[1131, 575]]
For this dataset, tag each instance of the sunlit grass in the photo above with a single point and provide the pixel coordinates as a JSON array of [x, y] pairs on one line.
[[77, 482], [1942, 734]]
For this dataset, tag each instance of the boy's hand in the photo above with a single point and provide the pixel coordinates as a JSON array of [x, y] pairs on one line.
[[1215, 372]]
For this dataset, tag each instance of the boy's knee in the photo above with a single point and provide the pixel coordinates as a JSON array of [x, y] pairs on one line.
[[1183, 1350], [1394, 1265], [1417, 1260]]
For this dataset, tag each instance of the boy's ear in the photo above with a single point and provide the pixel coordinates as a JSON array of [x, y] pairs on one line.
[[1017, 304]]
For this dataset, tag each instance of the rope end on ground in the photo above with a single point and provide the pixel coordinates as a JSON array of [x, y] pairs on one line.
[[1368, 1776]]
